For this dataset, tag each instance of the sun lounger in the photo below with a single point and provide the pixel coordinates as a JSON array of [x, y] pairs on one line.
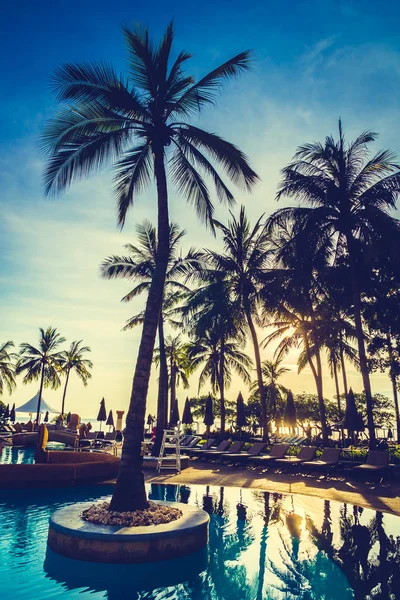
[[307, 453], [376, 465], [234, 448], [277, 451], [198, 451], [254, 450], [327, 462], [221, 448]]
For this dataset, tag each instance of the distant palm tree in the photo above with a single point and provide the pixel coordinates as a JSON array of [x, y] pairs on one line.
[[272, 371], [142, 124], [205, 351], [44, 362], [140, 266], [72, 360], [348, 200], [7, 367], [247, 251], [179, 368]]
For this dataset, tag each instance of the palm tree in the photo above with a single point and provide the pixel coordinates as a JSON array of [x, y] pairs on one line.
[[211, 312], [246, 255], [348, 200], [140, 265], [272, 371], [142, 124], [206, 351], [7, 367], [179, 366], [44, 362], [72, 360]]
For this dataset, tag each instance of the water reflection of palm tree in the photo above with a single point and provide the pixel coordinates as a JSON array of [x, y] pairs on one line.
[[263, 547]]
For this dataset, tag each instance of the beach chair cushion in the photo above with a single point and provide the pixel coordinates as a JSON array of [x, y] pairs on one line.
[[377, 460], [329, 457], [306, 453], [277, 451], [254, 450]]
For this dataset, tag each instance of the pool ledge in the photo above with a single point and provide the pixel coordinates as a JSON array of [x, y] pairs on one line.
[[70, 536]]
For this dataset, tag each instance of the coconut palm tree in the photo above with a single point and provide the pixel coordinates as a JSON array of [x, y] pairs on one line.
[[73, 360], [7, 367], [142, 124], [179, 368], [206, 351], [44, 362], [243, 262], [272, 371], [139, 266], [345, 200]]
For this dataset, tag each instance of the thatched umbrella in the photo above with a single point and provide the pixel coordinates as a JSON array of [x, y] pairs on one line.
[[175, 414], [289, 418], [102, 416], [390, 434], [110, 419], [46, 417], [7, 412], [12, 414], [353, 421], [208, 414], [240, 414], [187, 417]]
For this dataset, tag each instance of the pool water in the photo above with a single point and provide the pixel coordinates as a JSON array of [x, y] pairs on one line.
[[262, 546], [13, 455]]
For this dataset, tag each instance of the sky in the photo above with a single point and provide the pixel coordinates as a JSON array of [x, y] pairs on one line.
[[313, 63]]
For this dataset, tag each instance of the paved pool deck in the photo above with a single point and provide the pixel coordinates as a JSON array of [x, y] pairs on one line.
[[383, 497]]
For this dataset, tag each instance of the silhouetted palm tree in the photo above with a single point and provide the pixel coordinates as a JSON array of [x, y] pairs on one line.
[[73, 360], [140, 266], [348, 200], [140, 123], [179, 367], [8, 362], [272, 371], [44, 362], [245, 257]]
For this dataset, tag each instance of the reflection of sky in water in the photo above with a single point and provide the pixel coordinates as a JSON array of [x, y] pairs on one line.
[[262, 546]]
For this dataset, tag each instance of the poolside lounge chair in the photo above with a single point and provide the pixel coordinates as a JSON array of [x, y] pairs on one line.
[[306, 453], [277, 451], [327, 462], [376, 465], [234, 448], [198, 451], [220, 449], [254, 450]]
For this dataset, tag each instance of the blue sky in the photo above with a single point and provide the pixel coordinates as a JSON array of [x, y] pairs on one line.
[[314, 61]]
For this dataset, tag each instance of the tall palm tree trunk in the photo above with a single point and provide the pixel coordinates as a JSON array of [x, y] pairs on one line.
[[40, 395], [344, 373], [335, 375], [260, 382], [222, 385], [360, 341], [317, 373], [173, 389], [129, 492], [65, 392], [162, 399], [394, 385]]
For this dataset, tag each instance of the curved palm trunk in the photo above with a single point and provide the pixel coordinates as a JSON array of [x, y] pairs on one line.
[[129, 493], [361, 346], [65, 392], [222, 385], [317, 373], [335, 375], [394, 385], [260, 382], [40, 396], [162, 399]]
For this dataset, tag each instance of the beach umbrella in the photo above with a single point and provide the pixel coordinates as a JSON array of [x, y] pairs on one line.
[[289, 418], [208, 414], [175, 414], [390, 434], [110, 420], [12, 414], [352, 419], [102, 416], [187, 418], [7, 412], [46, 417], [240, 414]]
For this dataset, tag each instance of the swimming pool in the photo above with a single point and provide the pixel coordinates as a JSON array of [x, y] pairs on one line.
[[14, 455], [262, 546]]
